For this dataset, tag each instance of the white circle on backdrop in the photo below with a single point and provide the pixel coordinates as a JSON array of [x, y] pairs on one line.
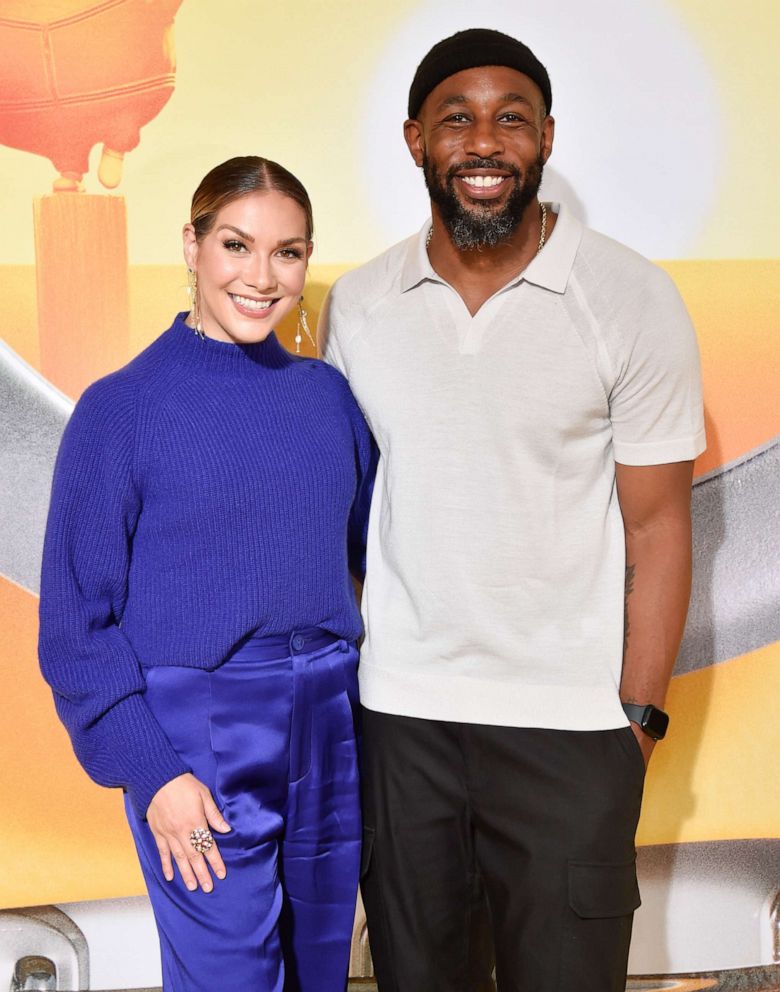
[[638, 140]]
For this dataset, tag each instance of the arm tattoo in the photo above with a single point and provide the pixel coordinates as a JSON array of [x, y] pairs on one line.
[[630, 572]]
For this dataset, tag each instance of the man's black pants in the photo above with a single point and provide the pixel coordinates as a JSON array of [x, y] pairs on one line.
[[547, 818]]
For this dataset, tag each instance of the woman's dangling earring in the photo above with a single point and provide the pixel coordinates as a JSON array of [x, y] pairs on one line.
[[192, 291], [303, 324]]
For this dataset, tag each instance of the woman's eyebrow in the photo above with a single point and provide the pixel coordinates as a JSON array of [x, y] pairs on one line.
[[236, 230]]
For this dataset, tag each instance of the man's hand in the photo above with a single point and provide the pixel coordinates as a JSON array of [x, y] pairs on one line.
[[646, 743], [179, 807]]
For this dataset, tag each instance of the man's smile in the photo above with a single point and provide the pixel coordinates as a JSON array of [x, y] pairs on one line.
[[482, 185]]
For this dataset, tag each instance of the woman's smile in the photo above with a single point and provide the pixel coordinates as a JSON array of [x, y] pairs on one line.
[[251, 307]]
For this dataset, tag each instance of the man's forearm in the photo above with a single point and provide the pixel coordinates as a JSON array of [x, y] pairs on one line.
[[658, 586]]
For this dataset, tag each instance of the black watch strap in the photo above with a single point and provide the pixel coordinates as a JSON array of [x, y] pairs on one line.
[[648, 718]]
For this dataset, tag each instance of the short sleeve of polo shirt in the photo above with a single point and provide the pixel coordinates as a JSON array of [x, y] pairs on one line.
[[655, 404], [328, 332]]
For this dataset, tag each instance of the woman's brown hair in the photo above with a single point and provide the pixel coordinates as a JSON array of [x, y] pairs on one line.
[[238, 177]]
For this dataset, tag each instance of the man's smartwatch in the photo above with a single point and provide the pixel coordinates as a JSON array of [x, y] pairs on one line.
[[648, 718]]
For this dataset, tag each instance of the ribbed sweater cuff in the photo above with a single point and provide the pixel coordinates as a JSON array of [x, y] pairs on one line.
[[143, 791], [143, 757]]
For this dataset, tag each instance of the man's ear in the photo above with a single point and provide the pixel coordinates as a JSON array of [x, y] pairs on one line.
[[414, 139], [548, 135]]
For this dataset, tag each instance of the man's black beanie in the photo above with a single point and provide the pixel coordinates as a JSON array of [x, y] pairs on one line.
[[469, 50]]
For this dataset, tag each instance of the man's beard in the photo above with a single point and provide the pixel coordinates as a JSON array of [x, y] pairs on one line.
[[482, 224]]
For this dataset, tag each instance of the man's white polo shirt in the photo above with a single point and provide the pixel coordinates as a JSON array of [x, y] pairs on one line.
[[496, 556]]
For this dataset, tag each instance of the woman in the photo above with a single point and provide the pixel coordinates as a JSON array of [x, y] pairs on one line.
[[198, 623]]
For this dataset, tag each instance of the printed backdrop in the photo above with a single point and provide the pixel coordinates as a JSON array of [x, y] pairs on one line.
[[667, 139]]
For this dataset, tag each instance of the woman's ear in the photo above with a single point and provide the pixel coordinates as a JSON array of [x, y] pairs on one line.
[[190, 246]]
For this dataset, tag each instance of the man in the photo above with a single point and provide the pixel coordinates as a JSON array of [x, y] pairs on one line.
[[534, 391]]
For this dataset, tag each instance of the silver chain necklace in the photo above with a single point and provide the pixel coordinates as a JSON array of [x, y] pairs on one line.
[[542, 236]]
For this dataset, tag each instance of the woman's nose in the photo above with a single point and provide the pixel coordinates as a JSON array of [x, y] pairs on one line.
[[260, 275]]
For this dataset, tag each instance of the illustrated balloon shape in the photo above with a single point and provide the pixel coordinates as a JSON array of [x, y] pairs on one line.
[[75, 73]]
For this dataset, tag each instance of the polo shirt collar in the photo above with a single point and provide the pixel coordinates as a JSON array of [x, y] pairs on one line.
[[552, 266], [417, 267], [550, 269]]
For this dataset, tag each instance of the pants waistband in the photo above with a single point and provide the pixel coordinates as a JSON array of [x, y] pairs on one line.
[[303, 640]]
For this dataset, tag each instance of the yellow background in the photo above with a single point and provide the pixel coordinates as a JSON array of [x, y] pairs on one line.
[[290, 88]]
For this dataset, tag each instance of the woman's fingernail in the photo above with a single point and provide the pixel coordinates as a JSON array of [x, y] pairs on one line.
[[221, 874], [191, 886], [207, 888]]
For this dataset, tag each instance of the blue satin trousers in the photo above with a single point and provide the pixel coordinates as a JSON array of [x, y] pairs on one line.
[[272, 733]]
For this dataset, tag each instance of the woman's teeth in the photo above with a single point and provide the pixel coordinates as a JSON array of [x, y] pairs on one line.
[[244, 301], [480, 181]]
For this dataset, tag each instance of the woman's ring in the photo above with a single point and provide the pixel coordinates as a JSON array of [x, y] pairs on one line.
[[201, 839]]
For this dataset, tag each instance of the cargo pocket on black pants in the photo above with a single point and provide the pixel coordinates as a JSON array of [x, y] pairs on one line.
[[597, 928]]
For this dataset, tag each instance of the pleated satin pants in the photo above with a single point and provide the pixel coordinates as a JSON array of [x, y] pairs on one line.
[[272, 733]]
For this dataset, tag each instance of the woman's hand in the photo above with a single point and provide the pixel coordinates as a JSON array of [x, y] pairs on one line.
[[179, 807]]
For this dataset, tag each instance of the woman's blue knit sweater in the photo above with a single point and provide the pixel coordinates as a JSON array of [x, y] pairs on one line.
[[203, 492]]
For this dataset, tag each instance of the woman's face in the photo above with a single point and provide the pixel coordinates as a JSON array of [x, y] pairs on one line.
[[251, 266]]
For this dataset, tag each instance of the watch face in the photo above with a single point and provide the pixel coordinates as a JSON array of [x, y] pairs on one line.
[[655, 722]]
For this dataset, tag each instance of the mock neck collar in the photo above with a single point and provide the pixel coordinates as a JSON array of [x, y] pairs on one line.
[[224, 355], [550, 269]]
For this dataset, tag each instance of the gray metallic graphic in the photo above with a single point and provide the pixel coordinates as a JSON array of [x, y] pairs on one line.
[[33, 414], [736, 560]]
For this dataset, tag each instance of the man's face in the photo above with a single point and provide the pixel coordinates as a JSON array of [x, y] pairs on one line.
[[482, 138]]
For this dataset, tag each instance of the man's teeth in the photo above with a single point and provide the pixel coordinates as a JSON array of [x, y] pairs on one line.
[[252, 304], [481, 181]]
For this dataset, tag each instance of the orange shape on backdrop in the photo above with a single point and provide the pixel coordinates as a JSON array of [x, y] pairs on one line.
[[75, 73], [64, 838], [81, 278], [736, 312]]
